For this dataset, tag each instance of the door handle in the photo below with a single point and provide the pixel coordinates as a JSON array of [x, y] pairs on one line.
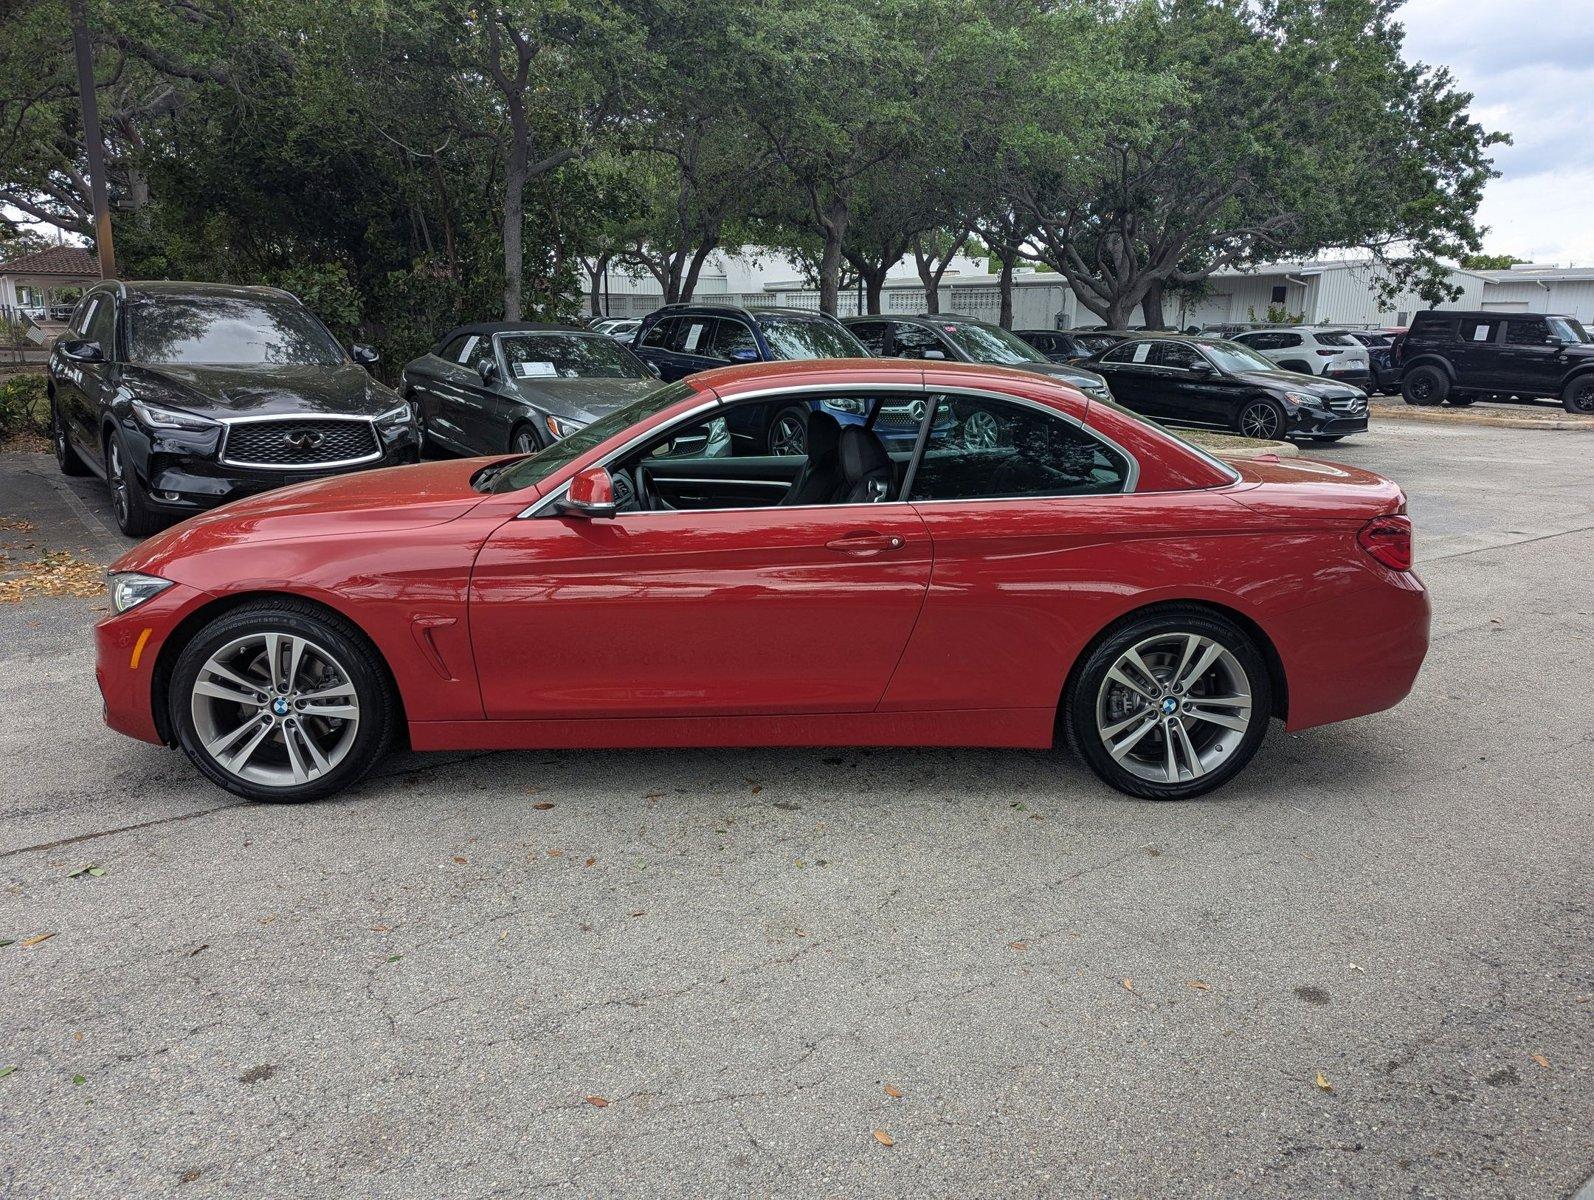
[[862, 545]]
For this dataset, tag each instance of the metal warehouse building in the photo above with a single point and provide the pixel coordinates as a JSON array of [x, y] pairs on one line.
[[1528, 288]]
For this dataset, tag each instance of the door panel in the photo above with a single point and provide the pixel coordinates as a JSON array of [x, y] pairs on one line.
[[766, 610]]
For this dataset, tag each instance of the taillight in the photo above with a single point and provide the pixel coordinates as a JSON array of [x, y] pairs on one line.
[[1327, 353], [1388, 539]]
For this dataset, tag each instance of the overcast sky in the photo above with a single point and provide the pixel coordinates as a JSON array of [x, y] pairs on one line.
[[1530, 67]]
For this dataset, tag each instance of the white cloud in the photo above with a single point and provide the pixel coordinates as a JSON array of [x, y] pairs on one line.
[[1530, 67]]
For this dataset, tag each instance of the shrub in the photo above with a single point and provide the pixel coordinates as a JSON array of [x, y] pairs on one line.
[[24, 406]]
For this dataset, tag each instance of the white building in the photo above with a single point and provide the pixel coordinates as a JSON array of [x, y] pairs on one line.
[[1529, 287], [31, 283]]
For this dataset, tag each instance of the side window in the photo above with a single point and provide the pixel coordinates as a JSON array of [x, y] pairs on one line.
[[911, 341], [993, 449], [729, 337], [661, 333], [101, 326], [480, 353], [1287, 341], [452, 351], [85, 316], [693, 335], [1175, 355], [1126, 352], [1527, 333], [872, 334], [1474, 329]]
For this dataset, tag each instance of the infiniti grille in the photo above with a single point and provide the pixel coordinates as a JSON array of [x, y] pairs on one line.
[[299, 442]]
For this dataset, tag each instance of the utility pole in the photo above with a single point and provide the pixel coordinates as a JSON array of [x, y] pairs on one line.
[[89, 103]]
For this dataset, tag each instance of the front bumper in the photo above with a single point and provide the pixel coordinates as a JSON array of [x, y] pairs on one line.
[[1317, 422], [127, 649]]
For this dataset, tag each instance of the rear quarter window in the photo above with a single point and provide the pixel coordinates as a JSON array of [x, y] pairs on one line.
[[1434, 326], [1335, 339]]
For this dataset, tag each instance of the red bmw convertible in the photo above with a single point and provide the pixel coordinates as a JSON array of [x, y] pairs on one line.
[[1021, 563]]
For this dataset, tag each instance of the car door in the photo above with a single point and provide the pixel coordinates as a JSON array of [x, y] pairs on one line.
[[71, 400], [1531, 358], [482, 414], [1190, 389], [1130, 374], [658, 347], [1477, 356], [424, 378], [449, 386], [774, 610], [93, 383]]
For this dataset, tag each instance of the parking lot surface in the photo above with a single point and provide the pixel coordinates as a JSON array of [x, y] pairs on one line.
[[1364, 966]]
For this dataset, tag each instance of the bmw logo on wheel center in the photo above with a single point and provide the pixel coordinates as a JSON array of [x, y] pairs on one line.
[[279, 706], [1169, 706]]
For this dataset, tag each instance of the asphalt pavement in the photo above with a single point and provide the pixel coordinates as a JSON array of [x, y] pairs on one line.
[[1364, 967]]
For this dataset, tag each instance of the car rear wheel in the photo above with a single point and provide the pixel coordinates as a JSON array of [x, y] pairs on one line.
[[1261, 419], [129, 501], [65, 457], [281, 701], [1424, 386], [788, 432], [1171, 705], [1578, 396]]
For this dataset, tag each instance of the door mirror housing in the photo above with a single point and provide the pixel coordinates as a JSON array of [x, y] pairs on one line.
[[652, 366], [82, 350], [591, 496], [1201, 368], [743, 354], [366, 356], [487, 370]]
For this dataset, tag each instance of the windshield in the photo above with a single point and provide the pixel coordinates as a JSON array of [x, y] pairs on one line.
[[799, 337], [990, 343], [534, 468], [1569, 330], [1235, 358], [228, 331], [569, 356]]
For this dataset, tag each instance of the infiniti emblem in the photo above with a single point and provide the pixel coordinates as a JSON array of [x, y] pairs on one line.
[[303, 439]]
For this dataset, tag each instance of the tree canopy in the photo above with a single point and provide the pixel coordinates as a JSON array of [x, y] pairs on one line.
[[407, 163]]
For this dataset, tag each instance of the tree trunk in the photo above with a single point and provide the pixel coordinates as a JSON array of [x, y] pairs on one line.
[[514, 212], [874, 287], [699, 257], [932, 285], [599, 266], [1151, 306], [836, 222], [1004, 313]]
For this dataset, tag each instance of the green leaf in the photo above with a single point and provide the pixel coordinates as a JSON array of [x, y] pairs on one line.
[[394, 957], [78, 1081], [4, 1071]]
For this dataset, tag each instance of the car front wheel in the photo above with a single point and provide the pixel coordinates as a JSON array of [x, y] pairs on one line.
[[1578, 396], [1261, 419], [281, 701], [129, 501], [788, 432], [1171, 705]]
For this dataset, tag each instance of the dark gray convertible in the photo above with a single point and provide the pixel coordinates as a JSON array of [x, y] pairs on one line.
[[518, 386]]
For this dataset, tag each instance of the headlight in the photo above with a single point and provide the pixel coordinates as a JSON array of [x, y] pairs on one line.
[[857, 407], [1302, 398], [401, 415], [130, 589], [156, 416], [558, 427]]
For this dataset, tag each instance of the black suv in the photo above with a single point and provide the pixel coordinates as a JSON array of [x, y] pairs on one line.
[[1465, 356], [683, 339], [183, 396]]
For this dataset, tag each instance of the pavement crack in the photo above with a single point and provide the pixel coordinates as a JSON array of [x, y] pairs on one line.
[[89, 837]]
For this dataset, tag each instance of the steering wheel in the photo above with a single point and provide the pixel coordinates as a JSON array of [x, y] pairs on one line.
[[647, 496]]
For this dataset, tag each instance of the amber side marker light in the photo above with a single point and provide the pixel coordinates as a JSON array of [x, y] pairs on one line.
[[138, 648], [1388, 539]]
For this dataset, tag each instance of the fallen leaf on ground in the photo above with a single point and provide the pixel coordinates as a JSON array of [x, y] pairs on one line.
[[556, 854], [86, 869], [78, 1081], [1199, 985], [1354, 967], [884, 1138], [4, 1071], [597, 1102], [641, 912], [591, 862], [1018, 945], [458, 859], [757, 787], [56, 574], [394, 957], [652, 795], [893, 1091], [36, 939], [1129, 985], [381, 929], [1322, 1083], [543, 806], [1541, 1060]]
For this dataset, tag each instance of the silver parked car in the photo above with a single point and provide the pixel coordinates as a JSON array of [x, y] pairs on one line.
[[1312, 350], [518, 386]]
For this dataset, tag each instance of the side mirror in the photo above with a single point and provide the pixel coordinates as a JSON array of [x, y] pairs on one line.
[[1201, 368], [1558, 342], [591, 496], [934, 355], [743, 355], [82, 350], [652, 366], [365, 355], [487, 370]]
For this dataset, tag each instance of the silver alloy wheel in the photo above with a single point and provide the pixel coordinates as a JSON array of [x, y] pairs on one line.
[[788, 436], [980, 430], [1261, 421], [58, 429], [525, 442], [1174, 707], [118, 481], [275, 709]]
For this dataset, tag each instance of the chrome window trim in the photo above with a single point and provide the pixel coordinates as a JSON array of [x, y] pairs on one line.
[[228, 422], [545, 506]]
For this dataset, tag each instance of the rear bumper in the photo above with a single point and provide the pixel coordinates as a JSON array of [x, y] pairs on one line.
[[127, 647]]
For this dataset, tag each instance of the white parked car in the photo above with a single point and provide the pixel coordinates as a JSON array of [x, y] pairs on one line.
[[621, 330], [1312, 350]]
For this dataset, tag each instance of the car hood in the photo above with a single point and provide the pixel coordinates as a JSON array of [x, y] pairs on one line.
[[262, 390], [583, 400], [1308, 385], [364, 502], [1068, 374]]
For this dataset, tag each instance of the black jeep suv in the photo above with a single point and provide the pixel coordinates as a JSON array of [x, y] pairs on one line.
[[1460, 357], [183, 396]]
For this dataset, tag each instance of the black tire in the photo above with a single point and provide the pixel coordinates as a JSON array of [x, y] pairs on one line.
[[1424, 386], [1083, 697], [1261, 419], [65, 456], [378, 704], [135, 516], [523, 440], [1578, 396], [788, 431]]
